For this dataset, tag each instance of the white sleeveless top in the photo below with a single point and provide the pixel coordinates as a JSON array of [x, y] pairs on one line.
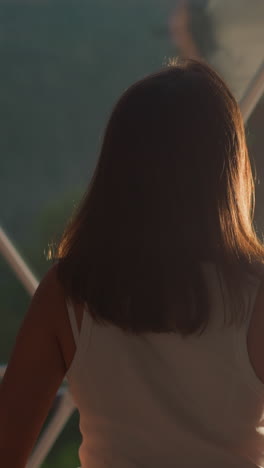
[[163, 401]]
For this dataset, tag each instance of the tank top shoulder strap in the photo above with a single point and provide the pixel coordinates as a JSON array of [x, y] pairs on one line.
[[253, 324], [73, 321]]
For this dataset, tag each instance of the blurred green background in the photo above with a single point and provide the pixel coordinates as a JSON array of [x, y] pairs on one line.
[[63, 66]]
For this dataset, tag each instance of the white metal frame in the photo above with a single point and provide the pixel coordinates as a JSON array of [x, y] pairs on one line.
[[66, 406], [253, 94]]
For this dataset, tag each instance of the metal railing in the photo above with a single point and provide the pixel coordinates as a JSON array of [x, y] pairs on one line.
[[65, 405]]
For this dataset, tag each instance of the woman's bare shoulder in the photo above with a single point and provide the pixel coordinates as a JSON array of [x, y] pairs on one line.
[[49, 300], [52, 293], [50, 283], [50, 287], [53, 299]]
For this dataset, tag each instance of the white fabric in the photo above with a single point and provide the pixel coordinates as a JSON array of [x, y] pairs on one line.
[[162, 401]]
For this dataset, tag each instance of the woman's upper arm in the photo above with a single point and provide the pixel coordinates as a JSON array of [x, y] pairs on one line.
[[33, 376]]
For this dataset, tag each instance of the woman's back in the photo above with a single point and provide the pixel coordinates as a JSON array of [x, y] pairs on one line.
[[163, 400], [160, 379]]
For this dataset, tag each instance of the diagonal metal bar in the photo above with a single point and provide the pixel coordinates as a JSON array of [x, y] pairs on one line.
[[2, 370], [52, 431], [62, 413], [17, 263], [253, 94]]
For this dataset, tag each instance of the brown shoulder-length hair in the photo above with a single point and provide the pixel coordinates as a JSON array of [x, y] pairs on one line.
[[172, 188]]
